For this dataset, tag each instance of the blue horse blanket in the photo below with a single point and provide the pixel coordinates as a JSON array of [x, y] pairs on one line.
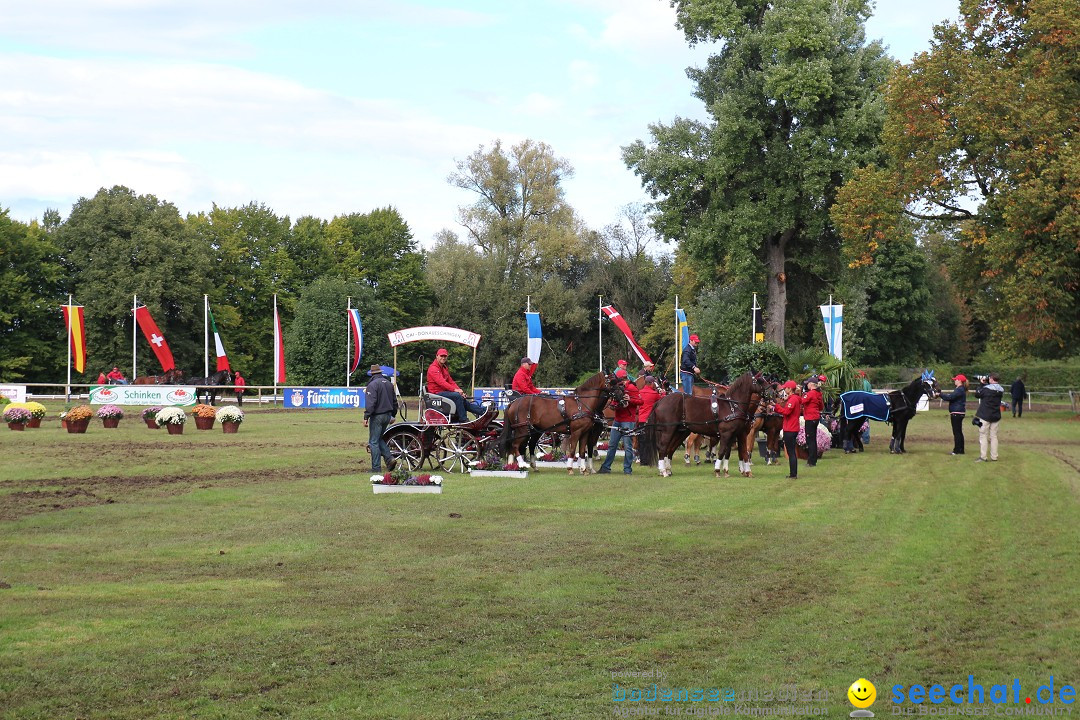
[[859, 404]]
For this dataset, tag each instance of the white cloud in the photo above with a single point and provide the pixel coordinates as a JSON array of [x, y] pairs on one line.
[[584, 75]]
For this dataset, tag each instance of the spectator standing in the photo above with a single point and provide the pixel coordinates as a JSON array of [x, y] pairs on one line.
[[790, 406], [380, 404], [957, 412], [989, 393], [622, 427], [240, 383], [689, 367], [812, 405], [1019, 393]]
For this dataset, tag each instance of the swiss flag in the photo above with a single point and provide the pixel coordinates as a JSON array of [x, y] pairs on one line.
[[155, 338]]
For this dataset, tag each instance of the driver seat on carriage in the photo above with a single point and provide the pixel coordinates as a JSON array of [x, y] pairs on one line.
[[435, 409]]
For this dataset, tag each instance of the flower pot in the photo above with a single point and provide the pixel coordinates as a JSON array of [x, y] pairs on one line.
[[77, 426], [16, 426], [110, 422], [230, 427], [151, 423], [175, 429], [204, 423], [34, 423], [407, 489], [63, 424]]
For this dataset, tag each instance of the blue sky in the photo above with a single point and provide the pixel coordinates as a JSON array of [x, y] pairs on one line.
[[336, 106]]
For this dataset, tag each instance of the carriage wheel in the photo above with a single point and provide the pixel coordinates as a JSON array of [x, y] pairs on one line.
[[456, 449], [547, 443], [406, 447]]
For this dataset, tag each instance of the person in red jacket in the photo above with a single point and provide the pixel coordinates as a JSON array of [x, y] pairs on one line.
[[790, 407], [523, 378], [625, 423], [650, 394], [439, 382], [240, 383], [812, 405], [101, 379]]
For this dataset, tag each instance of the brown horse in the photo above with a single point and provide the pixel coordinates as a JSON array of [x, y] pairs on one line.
[[725, 417], [572, 416], [169, 377], [693, 441]]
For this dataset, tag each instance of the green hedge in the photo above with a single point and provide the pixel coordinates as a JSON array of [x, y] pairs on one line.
[[1036, 374]]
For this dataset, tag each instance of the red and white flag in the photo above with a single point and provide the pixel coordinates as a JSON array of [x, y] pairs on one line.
[[154, 337], [620, 323], [279, 348]]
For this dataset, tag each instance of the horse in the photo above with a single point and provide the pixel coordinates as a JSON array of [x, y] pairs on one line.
[[169, 377], [900, 409], [693, 441], [573, 416], [205, 385], [725, 417], [771, 424]]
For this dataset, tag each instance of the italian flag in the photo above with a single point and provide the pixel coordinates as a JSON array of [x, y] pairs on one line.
[[222, 359]]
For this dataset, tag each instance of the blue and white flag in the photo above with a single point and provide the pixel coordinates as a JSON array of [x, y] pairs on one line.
[[834, 329], [536, 338]]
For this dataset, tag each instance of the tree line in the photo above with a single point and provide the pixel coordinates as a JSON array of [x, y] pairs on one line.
[[937, 200]]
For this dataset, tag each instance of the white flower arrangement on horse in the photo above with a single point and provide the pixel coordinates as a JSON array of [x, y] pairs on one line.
[[229, 413], [171, 416]]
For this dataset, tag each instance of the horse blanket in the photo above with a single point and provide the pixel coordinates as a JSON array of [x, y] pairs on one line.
[[858, 404]]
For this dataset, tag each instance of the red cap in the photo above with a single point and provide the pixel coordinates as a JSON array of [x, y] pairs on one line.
[[442, 351], [694, 338], [622, 363], [961, 377], [789, 385], [821, 378], [620, 373]]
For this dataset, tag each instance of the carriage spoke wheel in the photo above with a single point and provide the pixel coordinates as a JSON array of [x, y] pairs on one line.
[[547, 443], [456, 450], [405, 447]]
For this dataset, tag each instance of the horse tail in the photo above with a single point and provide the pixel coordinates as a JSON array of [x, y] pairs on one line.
[[647, 442]]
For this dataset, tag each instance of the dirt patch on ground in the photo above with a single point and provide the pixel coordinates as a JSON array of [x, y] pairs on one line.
[[71, 492]]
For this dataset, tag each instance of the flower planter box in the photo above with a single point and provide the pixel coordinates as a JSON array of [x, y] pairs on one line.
[[175, 429], [34, 423], [77, 426], [500, 473], [110, 422], [407, 489], [18, 427], [557, 464], [150, 423], [204, 423], [230, 427]]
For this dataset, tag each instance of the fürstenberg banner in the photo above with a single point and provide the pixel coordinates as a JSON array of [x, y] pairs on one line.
[[142, 395]]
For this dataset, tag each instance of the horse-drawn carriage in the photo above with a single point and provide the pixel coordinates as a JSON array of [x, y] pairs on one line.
[[433, 438]]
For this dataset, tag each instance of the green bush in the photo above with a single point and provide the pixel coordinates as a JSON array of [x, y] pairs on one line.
[[1036, 374], [765, 357]]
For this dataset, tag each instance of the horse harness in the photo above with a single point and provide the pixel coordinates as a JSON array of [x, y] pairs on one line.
[[561, 404]]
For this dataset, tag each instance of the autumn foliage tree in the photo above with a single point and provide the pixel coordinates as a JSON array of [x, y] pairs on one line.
[[981, 133]]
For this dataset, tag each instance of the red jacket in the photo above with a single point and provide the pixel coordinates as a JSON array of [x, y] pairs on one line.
[[790, 409], [439, 380], [102, 379], [115, 375], [239, 382], [649, 397], [812, 404], [523, 381], [630, 412]]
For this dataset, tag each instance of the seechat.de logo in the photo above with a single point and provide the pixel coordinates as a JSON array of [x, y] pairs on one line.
[[862, 695]]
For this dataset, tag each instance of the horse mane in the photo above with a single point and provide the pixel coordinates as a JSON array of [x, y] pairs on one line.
[[743, 384], [913, 390], [595, 381]]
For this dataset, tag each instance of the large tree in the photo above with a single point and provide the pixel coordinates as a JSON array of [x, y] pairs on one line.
[[118, 244], [981, 134], [31, 332], [794, 104]]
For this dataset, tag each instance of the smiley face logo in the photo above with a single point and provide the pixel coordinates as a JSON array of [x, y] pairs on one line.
[[862, 693]]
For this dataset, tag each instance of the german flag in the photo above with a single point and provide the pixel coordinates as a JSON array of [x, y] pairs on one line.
[[73, 319]]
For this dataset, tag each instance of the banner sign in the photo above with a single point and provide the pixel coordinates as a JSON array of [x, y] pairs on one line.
[[142, 395], [14, 393], [330, 397], [498, 395], [437, 332]]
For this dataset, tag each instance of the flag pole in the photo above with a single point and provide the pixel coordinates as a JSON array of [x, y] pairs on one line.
[[600, 328], [69, 349], [348, 342], [134, 335], [277, 349], [206, 335], [753, 321], [678, 338]]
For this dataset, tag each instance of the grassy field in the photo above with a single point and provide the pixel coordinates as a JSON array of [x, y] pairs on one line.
[[144, 575]]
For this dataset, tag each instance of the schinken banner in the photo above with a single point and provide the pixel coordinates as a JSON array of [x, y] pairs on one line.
[[142, 395], [330, 397]]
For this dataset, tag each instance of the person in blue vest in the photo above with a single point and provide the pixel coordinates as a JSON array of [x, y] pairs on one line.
[[689, 366]]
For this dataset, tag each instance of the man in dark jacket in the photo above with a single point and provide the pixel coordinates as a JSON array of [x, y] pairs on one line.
[[957, 410], [688, 368], [1018, 392], [380, 405], [989, 393]]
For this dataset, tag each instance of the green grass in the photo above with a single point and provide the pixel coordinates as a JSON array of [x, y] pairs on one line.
[[256, 575]]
